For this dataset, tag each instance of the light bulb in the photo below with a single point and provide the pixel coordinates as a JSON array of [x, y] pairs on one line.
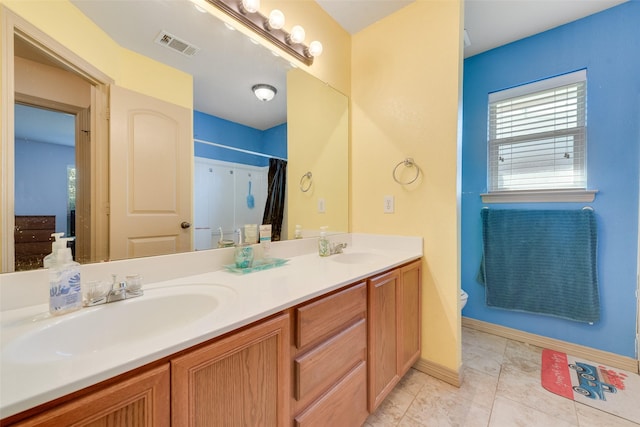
[[276, 19], [251, 6], [315, 48], [297, 34]]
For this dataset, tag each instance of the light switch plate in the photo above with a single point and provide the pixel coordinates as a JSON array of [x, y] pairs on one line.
[[389, 204], [321, 206]]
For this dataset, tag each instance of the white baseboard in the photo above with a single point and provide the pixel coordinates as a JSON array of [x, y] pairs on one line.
[[592, 354]]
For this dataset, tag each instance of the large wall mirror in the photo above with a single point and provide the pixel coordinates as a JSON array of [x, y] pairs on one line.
[[236, 137]]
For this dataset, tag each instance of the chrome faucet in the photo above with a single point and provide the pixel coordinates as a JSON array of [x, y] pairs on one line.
[[118, 291], [336, 248]]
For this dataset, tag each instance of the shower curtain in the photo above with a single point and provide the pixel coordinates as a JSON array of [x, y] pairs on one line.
[[274, 207]]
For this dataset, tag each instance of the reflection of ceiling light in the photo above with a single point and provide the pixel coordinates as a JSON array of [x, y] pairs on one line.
[[264, 92]]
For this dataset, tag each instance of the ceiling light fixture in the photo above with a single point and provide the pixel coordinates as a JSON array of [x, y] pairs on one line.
[[297, 35], [271, 28], [264, 92], [249, 6], [275, 21]]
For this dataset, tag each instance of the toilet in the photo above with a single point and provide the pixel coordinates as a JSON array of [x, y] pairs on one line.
[[463, 299]]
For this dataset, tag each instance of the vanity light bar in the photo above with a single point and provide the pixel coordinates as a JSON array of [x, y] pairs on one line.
[[256, 21]]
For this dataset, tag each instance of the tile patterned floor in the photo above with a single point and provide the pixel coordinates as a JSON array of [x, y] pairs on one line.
[[501, 388]]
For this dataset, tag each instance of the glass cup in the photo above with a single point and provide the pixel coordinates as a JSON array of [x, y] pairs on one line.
[[244, 256], [134, 283]]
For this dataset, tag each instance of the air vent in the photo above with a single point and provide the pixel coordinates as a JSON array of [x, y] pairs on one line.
[[169, 40]]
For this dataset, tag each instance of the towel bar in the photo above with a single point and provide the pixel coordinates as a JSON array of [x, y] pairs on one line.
[[409, 163], [306, 188]]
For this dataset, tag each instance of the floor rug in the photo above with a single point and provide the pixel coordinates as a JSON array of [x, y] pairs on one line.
[[609, 389]]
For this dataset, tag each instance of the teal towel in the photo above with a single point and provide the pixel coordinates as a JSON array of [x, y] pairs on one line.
[[541, 261]]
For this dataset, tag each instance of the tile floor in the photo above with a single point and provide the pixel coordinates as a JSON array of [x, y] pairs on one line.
[[501, 388]]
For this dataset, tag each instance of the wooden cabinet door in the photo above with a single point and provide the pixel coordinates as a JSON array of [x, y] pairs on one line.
[[409, 300], [383, 336], [240, 380], [139, 401]]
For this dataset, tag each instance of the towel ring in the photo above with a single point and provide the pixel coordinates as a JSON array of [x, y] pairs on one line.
[[409, 163], [307, 175]]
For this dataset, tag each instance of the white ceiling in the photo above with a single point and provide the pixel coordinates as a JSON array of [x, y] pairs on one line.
[[493, 23], [354, 15], [489, 23], [228, 64]]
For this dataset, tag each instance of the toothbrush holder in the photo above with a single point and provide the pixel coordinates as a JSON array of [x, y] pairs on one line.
[[243, 255]]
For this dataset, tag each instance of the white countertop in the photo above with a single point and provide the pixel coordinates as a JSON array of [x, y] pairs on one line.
[[28, 380]]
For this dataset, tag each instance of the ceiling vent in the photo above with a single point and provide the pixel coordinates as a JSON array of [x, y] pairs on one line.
[[169, 40]]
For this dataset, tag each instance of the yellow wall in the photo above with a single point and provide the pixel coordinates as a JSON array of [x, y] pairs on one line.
[[62, 21], [317, 135], [406, 89]]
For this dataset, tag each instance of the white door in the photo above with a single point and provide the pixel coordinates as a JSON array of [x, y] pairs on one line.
[[150, 164]]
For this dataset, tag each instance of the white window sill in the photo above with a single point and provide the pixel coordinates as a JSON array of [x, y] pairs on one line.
[[539, 196]]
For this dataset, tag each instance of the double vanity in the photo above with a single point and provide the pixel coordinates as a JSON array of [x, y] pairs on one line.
[[316, 341]]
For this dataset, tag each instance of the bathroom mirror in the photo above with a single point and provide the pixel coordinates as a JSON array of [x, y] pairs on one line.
[[220, 90]]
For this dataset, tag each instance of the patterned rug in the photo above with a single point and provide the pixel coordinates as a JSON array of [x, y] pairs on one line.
[[609, 389]]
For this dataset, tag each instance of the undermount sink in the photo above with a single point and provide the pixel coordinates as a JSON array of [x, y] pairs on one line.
[[357, 258], [89, 330]]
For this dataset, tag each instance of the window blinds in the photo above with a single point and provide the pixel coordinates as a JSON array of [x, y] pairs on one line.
[[537, 135]]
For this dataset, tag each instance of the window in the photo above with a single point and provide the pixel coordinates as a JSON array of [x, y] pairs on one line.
[[537, 136]]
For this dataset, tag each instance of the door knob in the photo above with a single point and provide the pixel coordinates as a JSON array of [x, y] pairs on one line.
[[185, 224]]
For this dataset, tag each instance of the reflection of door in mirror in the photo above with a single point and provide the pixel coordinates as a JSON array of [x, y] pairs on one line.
[[45, 169], [151, 158], [40, 148]]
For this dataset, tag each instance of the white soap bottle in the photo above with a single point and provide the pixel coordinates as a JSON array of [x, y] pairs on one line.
[[65, 291], [323, 242], [298, 233], [57, 243]]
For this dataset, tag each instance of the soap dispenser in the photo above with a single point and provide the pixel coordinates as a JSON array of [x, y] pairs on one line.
[[65, 291], [57, 244], [323, 242]]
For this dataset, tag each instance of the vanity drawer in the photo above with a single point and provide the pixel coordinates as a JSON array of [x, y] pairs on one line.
[[343, 405], [317, 369], [324, 317]]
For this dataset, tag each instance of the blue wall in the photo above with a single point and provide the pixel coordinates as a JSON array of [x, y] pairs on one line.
[[607, 44], [214, 129], [41, 179]]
